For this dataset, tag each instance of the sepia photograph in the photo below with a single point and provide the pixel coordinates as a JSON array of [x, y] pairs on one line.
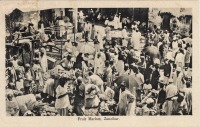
[[99, 62]]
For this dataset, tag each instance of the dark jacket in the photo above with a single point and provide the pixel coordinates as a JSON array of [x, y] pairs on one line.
[[161, 97], [154, 79], [167, 70]]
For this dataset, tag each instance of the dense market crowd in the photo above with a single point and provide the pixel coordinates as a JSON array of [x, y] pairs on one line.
[[115, 69]]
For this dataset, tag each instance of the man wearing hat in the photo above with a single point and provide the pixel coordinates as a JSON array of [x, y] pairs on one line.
[[126, 99], [179, 105], [171, 91], [180, 58], [137, 36]]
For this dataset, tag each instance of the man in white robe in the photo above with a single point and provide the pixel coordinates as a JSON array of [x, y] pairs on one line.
[[126, 99], [116, 22], [137, 39]]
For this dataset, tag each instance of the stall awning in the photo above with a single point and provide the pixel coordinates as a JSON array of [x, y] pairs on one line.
[[25, 9], [187, 11], [177, 11], [173, 11]]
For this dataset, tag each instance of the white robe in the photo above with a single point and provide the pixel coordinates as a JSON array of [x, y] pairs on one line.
[[178, 80], [124, 33], [171, 90], [64, 101], [124, 107], [116, 22], [179, 60]]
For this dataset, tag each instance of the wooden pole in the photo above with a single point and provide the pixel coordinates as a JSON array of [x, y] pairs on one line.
[[74, 35], [133, 15], [147, 25], [75, 11]]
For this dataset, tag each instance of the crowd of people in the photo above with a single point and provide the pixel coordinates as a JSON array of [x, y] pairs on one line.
[[129, 74]]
